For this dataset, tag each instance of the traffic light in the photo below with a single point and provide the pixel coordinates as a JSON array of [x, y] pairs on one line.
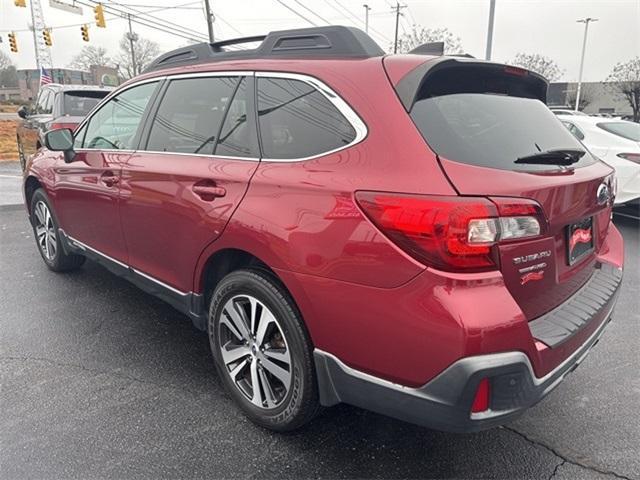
[[85, 32], [20, 3], [13, 44], [98, 12], [46, 34]]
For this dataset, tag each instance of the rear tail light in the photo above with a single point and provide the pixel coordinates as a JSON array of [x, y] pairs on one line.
[[481, 400], [632, 157], [452, 233]]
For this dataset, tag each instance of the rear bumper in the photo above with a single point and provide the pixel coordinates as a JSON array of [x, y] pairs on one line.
[[444, 403]]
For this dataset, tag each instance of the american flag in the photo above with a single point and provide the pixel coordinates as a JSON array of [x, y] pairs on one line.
[[45, 78]]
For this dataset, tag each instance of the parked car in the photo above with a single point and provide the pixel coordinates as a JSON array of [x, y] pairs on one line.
[[57, 106], [415, 235], [566, 111], [617, 142]]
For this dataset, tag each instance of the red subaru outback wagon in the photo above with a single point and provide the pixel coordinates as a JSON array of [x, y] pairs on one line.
[[415, 235]]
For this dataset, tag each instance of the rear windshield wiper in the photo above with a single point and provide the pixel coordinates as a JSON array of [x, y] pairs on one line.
[[564, 156]]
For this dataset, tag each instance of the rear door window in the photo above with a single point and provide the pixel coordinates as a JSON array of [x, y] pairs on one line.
[[492, 130], [236, 136], [190, 114], [297, 121]]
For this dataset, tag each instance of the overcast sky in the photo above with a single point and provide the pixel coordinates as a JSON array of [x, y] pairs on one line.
[[533, 26]]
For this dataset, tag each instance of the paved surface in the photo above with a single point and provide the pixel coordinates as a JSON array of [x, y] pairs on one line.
[[10, 183], [101, 380]]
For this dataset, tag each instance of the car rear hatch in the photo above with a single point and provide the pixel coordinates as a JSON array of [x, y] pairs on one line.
[[495, 138]]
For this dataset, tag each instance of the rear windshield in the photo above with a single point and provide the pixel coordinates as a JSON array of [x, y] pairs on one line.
[[78, 104], [628, 130], [490, 130]]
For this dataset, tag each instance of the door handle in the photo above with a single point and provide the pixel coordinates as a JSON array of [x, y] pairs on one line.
[[209, 191], [109, 179]]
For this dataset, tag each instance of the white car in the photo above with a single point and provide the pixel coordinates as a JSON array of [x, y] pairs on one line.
[[566, 111], [616, 142]]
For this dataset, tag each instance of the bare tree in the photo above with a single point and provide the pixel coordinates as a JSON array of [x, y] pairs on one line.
[[89, 56], [419, 35], [8, 73], [535, 62], [145, 51], [586, 97], [5, 61], [625, 80]]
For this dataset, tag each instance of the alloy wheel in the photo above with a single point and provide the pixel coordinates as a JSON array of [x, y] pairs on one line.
[[254, 351], [45, 231]]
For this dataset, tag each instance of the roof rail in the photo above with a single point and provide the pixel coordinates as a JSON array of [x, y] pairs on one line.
[[321, 42]]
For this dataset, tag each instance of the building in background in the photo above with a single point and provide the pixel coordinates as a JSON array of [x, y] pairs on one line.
[[29, 79], [599, 97]]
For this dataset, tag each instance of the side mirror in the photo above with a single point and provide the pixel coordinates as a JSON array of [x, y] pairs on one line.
[[60, 140], [22, 112]]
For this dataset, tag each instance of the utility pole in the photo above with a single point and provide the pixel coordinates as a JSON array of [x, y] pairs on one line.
[[492, 13], [132, 38], [584, 47], [207, 9], [366, 17], [395, 41]]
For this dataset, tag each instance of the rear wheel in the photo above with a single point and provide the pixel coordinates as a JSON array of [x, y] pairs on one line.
[[262, 352], [45, 230]]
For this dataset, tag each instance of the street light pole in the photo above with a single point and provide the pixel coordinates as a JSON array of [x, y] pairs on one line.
[[584, 47], [207, 9], [366, 17], [492, 13]]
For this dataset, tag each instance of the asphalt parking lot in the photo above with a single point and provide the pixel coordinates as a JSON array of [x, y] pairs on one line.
[[99, 380]]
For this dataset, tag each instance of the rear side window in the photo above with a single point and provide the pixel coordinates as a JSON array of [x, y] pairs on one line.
[[491, 130], [297, 121], [190, 115], [78, 104], [628, 130]]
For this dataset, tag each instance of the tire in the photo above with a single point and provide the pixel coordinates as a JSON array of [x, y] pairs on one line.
[[21, 157], [45, 230], [262, 352]]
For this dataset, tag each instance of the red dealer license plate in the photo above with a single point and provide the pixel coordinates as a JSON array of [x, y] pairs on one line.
[[579, 239]]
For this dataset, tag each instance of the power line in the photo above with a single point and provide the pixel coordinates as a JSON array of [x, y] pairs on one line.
[[147, 16], [312, 12], [296, 12]]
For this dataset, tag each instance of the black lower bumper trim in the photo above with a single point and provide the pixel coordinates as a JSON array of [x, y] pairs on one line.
[[445, 402]]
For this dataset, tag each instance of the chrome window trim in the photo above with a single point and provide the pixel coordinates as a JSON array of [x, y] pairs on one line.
[[97, 108], [204, 155], [341, 105]]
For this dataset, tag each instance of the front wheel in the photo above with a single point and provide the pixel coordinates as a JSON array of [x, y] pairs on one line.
[[45, 230], [262, 351]]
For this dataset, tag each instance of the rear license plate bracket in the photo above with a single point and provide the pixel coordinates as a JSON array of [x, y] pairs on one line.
[[579, 239]]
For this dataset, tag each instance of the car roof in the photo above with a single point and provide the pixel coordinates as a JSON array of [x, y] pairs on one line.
[[73, 87]]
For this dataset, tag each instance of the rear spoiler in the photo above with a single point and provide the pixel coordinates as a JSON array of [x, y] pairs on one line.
[[448, 75]]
